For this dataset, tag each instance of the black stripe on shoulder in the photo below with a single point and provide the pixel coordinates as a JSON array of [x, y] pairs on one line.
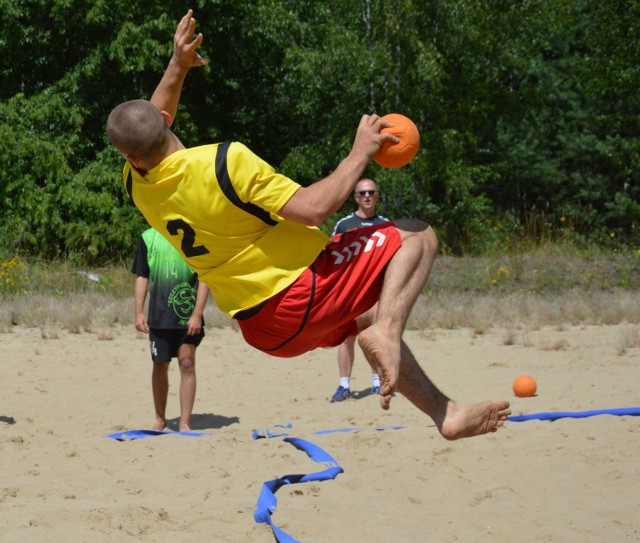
[[129, 185], [224, 180]]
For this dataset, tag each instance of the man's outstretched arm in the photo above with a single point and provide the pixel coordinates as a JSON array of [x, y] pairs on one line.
[[314, 204], [185, 56]]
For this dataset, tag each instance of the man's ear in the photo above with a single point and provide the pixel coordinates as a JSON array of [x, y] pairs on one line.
[[167, 118]]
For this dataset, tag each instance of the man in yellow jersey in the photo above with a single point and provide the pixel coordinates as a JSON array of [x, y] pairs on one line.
[[251, 235]]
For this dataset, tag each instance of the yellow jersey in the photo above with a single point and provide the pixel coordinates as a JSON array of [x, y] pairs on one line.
[[218, 206]]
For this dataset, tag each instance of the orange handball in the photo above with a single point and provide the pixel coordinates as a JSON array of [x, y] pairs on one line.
[[396, 155], [525, 386]]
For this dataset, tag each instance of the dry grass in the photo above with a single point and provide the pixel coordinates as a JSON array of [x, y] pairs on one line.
[[513, 293], [629, 338], [80, 313], [516, 310]]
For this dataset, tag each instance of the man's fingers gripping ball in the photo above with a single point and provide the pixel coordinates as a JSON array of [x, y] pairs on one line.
[[402, 150]]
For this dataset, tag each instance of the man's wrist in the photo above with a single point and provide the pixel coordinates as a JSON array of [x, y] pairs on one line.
[[353, 165], [180, 69]]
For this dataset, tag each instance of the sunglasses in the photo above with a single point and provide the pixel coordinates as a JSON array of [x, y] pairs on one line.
[[367, 192]]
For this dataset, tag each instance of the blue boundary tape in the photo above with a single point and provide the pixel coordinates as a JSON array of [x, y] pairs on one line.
[[130, 435], [268, 433], [345, 430], [267, 500], [621, 411]]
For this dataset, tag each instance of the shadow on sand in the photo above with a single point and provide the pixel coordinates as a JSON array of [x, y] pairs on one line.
[[204, 421]]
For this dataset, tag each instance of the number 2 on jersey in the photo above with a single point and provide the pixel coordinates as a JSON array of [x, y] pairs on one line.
[[188, 238]]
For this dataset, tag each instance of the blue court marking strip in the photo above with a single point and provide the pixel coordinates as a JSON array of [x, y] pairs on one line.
[[141, 434], [344, 430], [621, 411], [268, 433], [267, 500]]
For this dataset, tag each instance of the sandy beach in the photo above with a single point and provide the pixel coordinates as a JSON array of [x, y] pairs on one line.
[[567, 480]]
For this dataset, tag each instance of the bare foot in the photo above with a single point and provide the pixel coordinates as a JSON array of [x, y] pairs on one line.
[[468, 420], [159, 425], [383, 356], [185, 428]]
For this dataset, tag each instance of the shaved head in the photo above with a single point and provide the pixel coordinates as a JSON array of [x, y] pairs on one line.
[[137, 129]]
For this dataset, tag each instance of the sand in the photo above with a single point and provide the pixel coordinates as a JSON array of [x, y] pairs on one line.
[[563, 481]]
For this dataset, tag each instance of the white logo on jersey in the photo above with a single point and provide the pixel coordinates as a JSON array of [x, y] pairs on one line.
[[376, 240]]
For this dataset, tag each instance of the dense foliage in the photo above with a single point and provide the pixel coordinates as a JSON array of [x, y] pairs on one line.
[[529, 111]]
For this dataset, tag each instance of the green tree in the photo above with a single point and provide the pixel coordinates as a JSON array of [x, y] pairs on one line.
[[528, 111]]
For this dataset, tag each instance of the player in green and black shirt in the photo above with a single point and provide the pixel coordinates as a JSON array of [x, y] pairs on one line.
[[175, 324]]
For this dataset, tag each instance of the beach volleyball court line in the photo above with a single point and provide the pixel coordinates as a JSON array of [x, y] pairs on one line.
[[267, 500], [130, 435], [620, 412]]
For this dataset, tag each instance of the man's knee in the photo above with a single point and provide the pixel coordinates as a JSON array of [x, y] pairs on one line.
[[187, 364], [418, 229], [411, 225]]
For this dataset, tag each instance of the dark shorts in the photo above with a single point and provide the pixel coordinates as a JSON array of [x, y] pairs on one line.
[[319, 309], [164, 344]]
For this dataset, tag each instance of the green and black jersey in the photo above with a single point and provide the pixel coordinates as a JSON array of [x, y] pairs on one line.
[[172, 283]]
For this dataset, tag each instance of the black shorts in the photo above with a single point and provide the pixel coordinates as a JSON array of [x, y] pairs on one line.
[[164, 344]]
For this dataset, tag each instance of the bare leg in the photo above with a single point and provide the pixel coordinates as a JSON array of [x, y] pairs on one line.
[[454, 420], [160, 389], [346, 354], [381, 341], [187, 363], [404, 279]]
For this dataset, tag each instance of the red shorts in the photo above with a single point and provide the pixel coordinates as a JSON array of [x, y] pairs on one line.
[[319, 309]]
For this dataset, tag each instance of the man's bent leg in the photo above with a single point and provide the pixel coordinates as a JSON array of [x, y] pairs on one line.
[[404, 279], [380, 338]]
